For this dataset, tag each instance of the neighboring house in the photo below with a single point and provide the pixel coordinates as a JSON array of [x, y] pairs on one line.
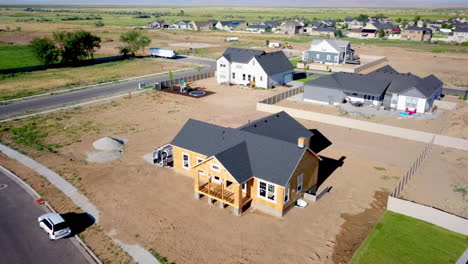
[[182, 24], [388, 28], [200, 25], [459, 35], [356, 23], [435, 25], [328, 51], [158, 24], [422, 23], [380, 20], [316, 28], [416, 33], [247, 66], [237, 25], [362, 33], [384, 86], [274, 24], [259, 28], [267, 163], [291, 28]]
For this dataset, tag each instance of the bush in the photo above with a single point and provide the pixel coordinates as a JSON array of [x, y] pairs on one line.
[[44, 49], [99, 24]]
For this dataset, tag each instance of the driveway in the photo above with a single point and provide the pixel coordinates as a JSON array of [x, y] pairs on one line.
[[21, 238], [100, 91]]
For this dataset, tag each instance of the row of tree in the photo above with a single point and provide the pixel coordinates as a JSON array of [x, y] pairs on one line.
[[74, 46]]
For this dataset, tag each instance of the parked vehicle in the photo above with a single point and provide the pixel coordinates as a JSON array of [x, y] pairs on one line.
[[54, 225], [163, 156], [274, 45], [231, 39], [165, 53]]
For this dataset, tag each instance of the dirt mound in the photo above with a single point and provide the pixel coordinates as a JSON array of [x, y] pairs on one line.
[[111, 149]]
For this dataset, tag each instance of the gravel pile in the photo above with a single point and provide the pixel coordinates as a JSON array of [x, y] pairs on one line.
[[110, 149]]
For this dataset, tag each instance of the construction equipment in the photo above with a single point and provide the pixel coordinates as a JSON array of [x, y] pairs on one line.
[[287, 46], [163, 156]]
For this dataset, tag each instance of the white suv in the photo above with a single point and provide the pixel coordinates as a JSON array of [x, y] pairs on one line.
[[54, 225]]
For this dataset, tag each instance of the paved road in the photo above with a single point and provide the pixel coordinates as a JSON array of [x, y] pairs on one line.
[[21, 239], [91, 93]]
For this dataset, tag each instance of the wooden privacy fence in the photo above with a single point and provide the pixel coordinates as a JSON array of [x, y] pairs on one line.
[[196, 77], [414, 167], [279, 97]]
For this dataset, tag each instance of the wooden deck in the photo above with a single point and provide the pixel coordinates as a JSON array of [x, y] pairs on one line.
[[226, 195]]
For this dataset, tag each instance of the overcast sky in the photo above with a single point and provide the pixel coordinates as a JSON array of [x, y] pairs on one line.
[[292, 3]]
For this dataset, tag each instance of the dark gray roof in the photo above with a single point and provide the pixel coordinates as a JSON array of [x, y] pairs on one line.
[[279, 126], [416, 28], [259, 26], [352, 83], [272, 63], [463, 29], [245, 153], [384, 80], [386, 26]]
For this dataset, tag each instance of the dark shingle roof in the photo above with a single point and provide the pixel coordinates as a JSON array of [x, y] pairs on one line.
[[246, 153], [416, 28], [352, 83], [272, 63], [259, 26], [463, 29]]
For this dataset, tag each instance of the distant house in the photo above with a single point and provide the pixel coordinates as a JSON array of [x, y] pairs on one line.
[[416, 33], [328, 51], [258, 28], [388, 28], [384, 86], [182, 24], [362, 33], [459, 35], [200, 25], [255, 67], [435, 25], [274, 24], [158, 24], [291, 28], [237, 25], [266, 163], [356, 23]]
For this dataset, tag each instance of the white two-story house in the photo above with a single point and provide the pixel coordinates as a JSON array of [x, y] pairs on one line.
[[254, 67]]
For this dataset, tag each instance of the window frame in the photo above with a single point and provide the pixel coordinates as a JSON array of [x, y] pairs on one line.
[[267, 185], [188, 161], [301, 185], [244, 187], [199, 160], [212, 165], [287, 193]]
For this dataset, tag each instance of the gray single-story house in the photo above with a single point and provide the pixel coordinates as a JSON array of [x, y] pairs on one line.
[[384, 86]]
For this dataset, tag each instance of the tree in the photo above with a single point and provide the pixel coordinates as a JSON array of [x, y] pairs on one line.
[[339, 33], [76, 46], [133, 42], [99, 24], [381, 33], [417, 18], [398, 20], [45, 50], [362, 16]]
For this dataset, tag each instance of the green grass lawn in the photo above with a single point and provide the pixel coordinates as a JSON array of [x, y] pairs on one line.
[[304, 80], [14, 56], [402, 239], [294, 61]]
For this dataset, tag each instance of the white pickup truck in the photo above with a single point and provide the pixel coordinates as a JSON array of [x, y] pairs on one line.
[[231, 39]]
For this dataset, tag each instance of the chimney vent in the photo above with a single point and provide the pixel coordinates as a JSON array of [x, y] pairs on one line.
[[302, 142]]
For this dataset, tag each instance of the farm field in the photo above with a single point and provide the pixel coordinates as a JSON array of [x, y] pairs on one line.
[[15, 56], [30, 83], [120, 189], [402, 239]]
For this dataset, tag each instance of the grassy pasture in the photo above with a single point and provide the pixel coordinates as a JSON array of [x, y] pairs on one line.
[[402, 239], [114, 16], [14, 56]]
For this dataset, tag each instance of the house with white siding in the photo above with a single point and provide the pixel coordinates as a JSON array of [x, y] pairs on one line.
[[384, 86], [329, 51], [254, 67]]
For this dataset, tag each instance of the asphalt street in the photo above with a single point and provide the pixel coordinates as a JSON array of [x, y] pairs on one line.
[[21, 238], [100, 91]]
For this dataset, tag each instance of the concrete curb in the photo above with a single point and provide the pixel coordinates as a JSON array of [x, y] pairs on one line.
[[90, 256], [135, 251]]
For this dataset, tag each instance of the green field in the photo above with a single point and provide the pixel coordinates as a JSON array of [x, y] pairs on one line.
[[402, 239], [15, 56], [124, 16]]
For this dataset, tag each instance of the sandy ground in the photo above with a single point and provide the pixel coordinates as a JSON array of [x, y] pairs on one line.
[[155, 207], [421, 125], [457, 125], [192, 45], [442, 181]]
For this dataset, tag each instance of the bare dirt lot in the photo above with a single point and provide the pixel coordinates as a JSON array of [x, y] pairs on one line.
[[155, 208], [442, 181], [457, 125]]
